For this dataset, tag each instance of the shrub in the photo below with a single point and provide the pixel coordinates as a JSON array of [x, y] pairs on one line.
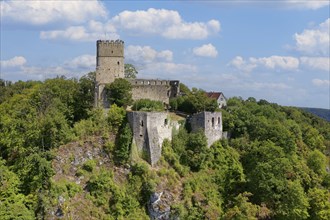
[[89, 165], [148, 105]]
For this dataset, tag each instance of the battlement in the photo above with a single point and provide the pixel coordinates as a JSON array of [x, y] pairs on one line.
[[153, 82], [110, 48]]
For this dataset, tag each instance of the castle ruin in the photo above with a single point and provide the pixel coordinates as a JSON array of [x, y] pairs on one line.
[[150, 129], [110, 66], [210, 123]]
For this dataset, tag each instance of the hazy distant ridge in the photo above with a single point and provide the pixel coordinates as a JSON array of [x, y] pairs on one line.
[[322, 113]]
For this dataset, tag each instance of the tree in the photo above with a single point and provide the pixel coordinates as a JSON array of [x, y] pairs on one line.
[[319, 200], [123, 144], [84, 99], [116, 117], [120, 92], [196, 150], [130, 71], [12, 203]]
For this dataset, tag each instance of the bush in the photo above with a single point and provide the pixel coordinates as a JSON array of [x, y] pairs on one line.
[[89, 165], [123, 144], [116, 117], [148, 105]]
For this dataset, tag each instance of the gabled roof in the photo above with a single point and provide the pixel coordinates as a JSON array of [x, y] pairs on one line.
[[214, 95]]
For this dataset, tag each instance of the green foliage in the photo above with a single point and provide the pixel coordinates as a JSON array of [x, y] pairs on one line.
[[172, 158], [148, 105], [34, 172], [84, 99], [120, 92], [116, 117], [193, 102], [130, 71], [242, 208], [124, 201], [202, 200], [65, 188], [89, 165], [273, 167], [123, 144], [317, 162], [319, 200], [196, 151], [95, 124], [13, 204]]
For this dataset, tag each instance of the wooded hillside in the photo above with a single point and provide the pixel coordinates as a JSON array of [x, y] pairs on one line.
[[59, 157]]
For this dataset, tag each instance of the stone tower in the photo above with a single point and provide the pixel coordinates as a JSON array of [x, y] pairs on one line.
[[109, 66]]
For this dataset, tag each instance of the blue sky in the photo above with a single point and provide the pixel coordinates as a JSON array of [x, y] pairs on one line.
[[273, 50]]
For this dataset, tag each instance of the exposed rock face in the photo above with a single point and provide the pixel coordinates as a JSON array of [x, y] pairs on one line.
[[159, 205]]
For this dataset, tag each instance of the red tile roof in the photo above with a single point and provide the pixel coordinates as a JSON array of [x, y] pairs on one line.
[[214, 95]]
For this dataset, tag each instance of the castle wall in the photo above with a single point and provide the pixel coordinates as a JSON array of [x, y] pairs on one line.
[[149, 131], [157, 90], [210, 123]]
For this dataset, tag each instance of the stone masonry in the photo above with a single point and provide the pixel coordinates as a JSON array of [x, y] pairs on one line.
[[210, 123], [150, 129], [110, 65]]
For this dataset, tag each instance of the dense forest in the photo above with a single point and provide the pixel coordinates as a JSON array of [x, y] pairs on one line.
[[62, 158]]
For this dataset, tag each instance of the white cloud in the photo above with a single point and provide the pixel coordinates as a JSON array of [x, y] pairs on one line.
[[45, 72], [314, 41], [170, 68], [239, 63], [162, 22], [318, 63], [92, 32], [167, 23], [206, 50], [321, 82], [272, 62], [38, 12], [271, 86], [306, 4], [146, 54], [16, 61], [85, 61]]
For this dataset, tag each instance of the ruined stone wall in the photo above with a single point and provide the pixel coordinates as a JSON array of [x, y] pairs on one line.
[[149, 131], [210, 123], [109, 66], [157, 90]]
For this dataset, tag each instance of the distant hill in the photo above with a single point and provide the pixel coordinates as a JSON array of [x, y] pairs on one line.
[[322, 113]]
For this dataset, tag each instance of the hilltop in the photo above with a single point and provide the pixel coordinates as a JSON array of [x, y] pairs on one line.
[[62, 158]]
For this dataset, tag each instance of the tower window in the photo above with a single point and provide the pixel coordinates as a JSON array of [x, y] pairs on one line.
[[118, 62], [112, 51], [165, 121], [212, 122], [218, 120]]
